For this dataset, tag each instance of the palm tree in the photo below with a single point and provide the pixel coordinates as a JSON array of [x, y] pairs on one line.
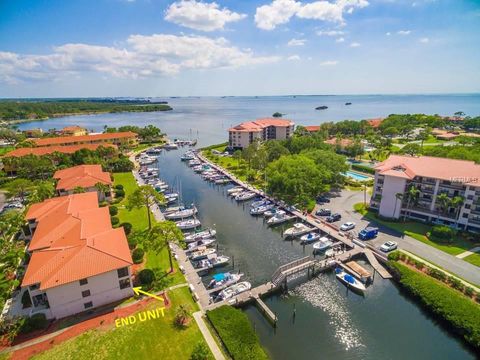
[[443, 202], [412, 198], [102, 189], [457, 203], [182, 314]]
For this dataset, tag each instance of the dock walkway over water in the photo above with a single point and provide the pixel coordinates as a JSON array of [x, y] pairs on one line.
[[376, 265]]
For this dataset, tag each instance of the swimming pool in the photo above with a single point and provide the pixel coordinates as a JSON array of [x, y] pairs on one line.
[[357, 176]]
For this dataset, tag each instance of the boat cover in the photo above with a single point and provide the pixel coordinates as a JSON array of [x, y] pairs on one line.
[[219, 277]]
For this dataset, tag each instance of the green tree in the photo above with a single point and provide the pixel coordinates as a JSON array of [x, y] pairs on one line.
[[41, 191], [443, 201], [182, 315], [160, 235], [78, 190], [412, 149], [19, 188], [457, 202], [145, 196], [200, 352], [412, 195]]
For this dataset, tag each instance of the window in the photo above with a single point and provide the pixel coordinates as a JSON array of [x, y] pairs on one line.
[[85, 293], [34, 287], [88, 305], [83, 281], [122, 272], [124, 283]]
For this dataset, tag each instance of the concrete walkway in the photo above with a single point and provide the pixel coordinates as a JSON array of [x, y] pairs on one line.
[[468, 252], [217, 353]]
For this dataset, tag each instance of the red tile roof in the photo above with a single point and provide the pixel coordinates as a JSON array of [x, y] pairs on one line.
[[62, 140], [342, 142], [73, 240], [312, 128], [84, 176], [45, 150], [375, 123], [462, 171], [260, 124]]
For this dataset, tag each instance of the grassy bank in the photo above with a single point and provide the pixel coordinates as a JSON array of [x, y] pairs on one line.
[[159, 338], [417, 231], [461, 312], [236, 332]]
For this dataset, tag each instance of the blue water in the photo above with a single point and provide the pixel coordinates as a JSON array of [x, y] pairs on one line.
[[208, 118], [356, 176]]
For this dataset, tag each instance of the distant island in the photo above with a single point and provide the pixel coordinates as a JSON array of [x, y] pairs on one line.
[[323, 107], [29, 110]]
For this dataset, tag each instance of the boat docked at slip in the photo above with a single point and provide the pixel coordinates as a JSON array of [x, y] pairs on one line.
[[187, 156], [323, 244], [260, 209], [188, 224], [182, 213], [224, 279], [195, 245], [246, 195], [349, 280], [297, 229], [202, 253], [309, 238], [222, 181], [234, 190], [194, 162], [200, 235], [233, 290], [171, 197], [212, 261], [271, 212], [170, 146], [279, 218]]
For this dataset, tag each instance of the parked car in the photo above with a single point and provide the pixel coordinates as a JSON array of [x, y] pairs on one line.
[[368, 233], [323, 212], [347, 226], [333, 217], [322, 199], [389, 246]]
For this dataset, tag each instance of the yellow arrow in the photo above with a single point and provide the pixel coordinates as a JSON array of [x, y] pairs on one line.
[[138, 290]]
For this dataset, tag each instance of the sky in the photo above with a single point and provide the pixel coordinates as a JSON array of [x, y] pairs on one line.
[[51, 48]]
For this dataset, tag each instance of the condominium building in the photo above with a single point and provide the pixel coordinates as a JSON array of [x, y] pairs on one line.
[[77, 260], [126, 138], [431, 176], [74, 130], [83, 176], [244, 134]]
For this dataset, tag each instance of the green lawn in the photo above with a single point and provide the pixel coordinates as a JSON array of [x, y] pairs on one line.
[[158, 338], [473, 259], [138, 219], [417, 231]]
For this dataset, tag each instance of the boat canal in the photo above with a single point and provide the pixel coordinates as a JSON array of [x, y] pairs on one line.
[[319, 318]]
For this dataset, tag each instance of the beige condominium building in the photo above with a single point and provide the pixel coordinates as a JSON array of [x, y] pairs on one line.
[[244, 134], [432, 176]]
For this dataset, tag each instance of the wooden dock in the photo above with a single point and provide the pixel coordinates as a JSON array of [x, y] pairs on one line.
[[266, 310], [376, 265]]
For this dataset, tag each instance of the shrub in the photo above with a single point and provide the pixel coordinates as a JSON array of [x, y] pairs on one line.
[[132, 242], [394, 256], [113, 210], [146, 276], [200, 352], [127, 227], [363, 168], [437, 274], [469, 291], [455, 283], [137, 255], [236, 332], [454, 307], [442, 232], [119, 187], [114, 220], [119, 193], [35, 322]]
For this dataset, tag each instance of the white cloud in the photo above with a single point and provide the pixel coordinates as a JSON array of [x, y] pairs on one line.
[[144, 56], [297, 42], [330, 32], [267, 17], [404, 32], [329, 63], [293, 58], [388, 33], [200, 16], [424, 40], [355, 44], [340, 40]]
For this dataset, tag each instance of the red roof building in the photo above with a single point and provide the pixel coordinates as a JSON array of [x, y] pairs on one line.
[[118, 138], [244, 134], [46, 150], [81, 176]]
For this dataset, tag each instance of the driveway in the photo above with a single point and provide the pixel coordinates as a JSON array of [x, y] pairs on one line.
[[343, 201]]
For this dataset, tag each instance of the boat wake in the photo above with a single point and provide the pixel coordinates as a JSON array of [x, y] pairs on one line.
[[321, 292]]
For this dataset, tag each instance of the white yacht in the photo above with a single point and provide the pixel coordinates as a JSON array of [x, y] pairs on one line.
[[181, 214], [202, 253], [201, 235], [188, 224], [261, 209], [323, 244], [247, 195], [280, 217], [170, 146], [235, 189], [195, 245], [234, 290], [297, 229], [349, 280], [224, 279], [310, 238]]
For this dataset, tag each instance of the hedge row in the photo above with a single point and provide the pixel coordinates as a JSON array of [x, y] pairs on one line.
[[237, 334], [363, 168], [460, 312]]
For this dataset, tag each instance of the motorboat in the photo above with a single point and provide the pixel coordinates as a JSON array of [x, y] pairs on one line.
[[187, 156], [333, 251], [235, 189], [271, 212], [234, 290], [222, 181], [194, 162], [297, 229], [182, 214], [218, 261], [349, 280], [323, 244], [202, 253], [201, 235], [260, 210], [224, 279], [280, 217], [171, 197], [198, 168], [310, 238], [200, 243], [259, 203], [247, 195], [170, 146], [188, 224]]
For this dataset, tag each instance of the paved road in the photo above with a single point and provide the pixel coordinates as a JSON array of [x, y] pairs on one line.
[[343, 203]]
